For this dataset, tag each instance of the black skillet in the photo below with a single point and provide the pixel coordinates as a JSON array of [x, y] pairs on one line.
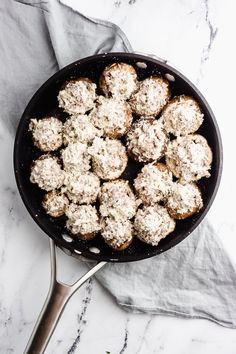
[[44, 102]]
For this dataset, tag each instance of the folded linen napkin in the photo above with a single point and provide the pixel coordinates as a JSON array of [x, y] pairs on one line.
[[196, 278]]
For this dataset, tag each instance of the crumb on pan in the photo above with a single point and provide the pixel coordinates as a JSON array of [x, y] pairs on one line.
[[170, 77], [141, 65]]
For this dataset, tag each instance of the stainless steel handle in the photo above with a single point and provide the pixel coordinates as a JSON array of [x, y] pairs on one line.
[[57, 298]]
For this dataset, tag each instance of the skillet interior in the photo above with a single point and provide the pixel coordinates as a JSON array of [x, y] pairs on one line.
[[44, 102]]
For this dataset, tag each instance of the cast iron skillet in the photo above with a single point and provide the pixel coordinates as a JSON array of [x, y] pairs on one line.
[[44, 102]]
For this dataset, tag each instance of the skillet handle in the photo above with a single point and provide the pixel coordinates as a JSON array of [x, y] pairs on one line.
[[56, 300]]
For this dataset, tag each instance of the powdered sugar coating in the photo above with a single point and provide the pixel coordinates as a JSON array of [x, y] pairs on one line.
[[77, 96], [117, 231], [111, 116], [82, 188], [184, 200], [152, 95], [146, 141], [109, 158], [153, 183], [79, 128], [153, 223], [75, 158], [189, 157], [55, 203], [117, 200], [46, 172], [46, 133], [82, 220], [182, 116], [118, 80]]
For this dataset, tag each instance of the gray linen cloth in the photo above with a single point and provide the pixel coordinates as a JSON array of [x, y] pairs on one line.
[[193, 280]]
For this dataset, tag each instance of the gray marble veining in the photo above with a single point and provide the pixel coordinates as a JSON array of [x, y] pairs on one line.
[[82, 316], [211, 38]]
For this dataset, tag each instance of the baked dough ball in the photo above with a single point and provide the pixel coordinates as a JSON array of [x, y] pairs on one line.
[[112, 117], [46, 133], [46, 172], [153, 223], [146, 140], [109, 158], [83, 221], [153, 183], [82, 188], [117, 199], [55, 203], [77, 96], [152, 95], [118, 80], [184, 200], [189, 158], [117, 232], [79, 128], [182, 116], [75, 158]]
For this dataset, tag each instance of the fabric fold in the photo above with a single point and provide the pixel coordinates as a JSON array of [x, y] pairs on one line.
[[195, 279]]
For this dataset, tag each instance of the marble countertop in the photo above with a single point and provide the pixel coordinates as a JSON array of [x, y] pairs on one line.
[[197, 37]]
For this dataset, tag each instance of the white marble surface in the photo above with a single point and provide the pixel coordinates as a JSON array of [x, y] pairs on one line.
[[198, 38]]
